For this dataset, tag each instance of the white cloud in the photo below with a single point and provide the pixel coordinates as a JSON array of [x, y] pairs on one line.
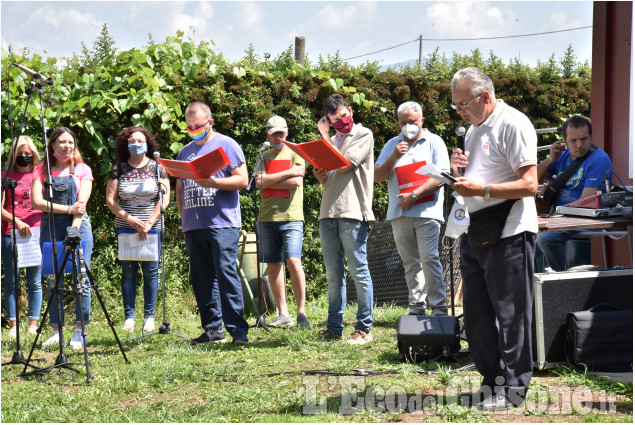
[[352, 29], [470, 19], [251, 17], [198, 20], [51, 25]]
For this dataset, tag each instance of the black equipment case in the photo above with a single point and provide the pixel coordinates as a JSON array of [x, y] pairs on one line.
[[601, 338], [560, 293], [422, 338]]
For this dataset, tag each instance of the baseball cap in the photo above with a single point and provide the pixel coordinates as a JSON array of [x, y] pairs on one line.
[[276, 123]]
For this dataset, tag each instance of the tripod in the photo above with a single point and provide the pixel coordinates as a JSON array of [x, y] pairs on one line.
[[18, 356], [80, 271], [164, 328]]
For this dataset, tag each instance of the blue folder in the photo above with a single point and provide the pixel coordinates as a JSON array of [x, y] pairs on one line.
[[47, 257]]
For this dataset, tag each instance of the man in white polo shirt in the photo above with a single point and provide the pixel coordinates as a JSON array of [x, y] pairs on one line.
[[500, 164]]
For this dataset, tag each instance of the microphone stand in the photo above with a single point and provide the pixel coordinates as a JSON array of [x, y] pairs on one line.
[[260, 322], [11, 184], [62, 359], [164, 329]]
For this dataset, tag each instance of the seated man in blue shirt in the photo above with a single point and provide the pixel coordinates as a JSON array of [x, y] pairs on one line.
[[585, 181]]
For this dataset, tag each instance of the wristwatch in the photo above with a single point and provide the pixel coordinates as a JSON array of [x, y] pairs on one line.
[[486, 195], [414, 195]]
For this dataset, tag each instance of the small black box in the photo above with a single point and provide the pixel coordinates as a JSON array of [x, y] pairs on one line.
[[422, 338]]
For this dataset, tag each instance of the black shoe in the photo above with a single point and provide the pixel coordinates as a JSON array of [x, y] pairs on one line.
[[210, 335], [240, 340], [495, 403], [302, 321]]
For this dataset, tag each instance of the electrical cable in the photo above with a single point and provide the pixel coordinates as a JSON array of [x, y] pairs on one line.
[[470, 39]]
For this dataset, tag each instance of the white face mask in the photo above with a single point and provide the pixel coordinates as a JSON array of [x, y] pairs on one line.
[[410, 131]]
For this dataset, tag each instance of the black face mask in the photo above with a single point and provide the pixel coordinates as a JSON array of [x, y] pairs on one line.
[[23, 161]]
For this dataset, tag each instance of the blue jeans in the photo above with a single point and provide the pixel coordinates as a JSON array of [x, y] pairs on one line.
[[551, 245], [342, 237], [214, 278], [62, 221], [33, 282], [150, 271], [277, 237]]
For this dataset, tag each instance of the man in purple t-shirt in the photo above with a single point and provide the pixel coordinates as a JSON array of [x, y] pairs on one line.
[[210, 213]]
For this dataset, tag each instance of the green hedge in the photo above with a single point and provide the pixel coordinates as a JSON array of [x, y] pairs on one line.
[[151, 85]]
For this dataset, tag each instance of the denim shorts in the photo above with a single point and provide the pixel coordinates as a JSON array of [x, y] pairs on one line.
[[278, 236]]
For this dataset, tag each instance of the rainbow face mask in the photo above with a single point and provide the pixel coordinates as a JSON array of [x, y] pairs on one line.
[[197, 134]]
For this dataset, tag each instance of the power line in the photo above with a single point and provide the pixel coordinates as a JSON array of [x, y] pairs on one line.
[[469, 39], [387, 48]]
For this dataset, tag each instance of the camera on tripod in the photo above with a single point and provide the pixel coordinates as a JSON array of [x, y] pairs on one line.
[[72, 238]]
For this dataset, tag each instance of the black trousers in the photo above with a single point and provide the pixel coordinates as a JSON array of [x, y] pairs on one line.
[[498, 289]]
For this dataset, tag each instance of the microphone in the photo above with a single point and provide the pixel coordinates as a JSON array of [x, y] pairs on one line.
[[157, 155], [33, 74], [460, 143], [265, 146]]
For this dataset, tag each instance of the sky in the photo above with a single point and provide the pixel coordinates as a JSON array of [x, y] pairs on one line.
[[57, 28]]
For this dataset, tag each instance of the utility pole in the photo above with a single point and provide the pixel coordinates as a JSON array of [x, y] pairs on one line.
[[299, 49], [420, 49]]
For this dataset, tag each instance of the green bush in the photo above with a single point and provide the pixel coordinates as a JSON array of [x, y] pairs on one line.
[[98, 95]]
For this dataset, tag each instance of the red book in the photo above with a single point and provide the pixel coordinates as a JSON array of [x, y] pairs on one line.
[[272, 167], [320, 154], [199, 168], [409, 180]]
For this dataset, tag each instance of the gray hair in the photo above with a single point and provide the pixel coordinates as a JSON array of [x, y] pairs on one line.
[[477, 81], [409, 107]]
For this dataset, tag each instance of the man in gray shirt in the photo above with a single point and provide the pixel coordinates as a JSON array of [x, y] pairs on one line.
[[345, 212]]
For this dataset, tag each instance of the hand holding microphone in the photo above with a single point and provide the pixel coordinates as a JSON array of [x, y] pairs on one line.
[[460, 144]]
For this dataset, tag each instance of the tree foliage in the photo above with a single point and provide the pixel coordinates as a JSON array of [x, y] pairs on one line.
[[103, 90]]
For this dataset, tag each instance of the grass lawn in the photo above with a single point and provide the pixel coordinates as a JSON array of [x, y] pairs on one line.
[[281, 376]]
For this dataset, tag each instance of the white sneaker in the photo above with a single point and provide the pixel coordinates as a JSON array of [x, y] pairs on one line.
[[128, 325], [53, 340], [77, 342], [13, 332], [148, 326]]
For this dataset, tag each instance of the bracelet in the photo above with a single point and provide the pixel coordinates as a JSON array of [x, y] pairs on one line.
[[69, 209]]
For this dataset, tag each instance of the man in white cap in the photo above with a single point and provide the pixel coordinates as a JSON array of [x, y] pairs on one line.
[[281, 221]]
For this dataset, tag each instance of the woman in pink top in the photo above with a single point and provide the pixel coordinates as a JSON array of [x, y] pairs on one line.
[[72, 183], [26, 218]]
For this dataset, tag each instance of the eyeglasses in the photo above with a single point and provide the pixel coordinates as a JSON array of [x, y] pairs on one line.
[[136, 141], [464, 106]]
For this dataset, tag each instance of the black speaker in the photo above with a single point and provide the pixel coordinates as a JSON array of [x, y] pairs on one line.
[[422, 338], [557, 294]]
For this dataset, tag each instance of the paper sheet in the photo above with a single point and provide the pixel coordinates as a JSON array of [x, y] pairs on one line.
[[431, 170], [132, 249], [29, 253]]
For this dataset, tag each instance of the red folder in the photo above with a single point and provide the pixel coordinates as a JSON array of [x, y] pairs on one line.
[[320, 154], [275, 166], [199, 168], [409, 180]]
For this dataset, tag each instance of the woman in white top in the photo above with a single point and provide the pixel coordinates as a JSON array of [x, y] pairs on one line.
[[132, 194]]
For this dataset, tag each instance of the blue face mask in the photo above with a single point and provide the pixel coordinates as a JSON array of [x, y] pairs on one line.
[[138, 148]]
